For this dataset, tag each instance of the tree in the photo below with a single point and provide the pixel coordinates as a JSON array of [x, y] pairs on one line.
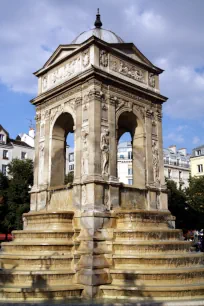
[[186, 216], [18, 198], [4, 183], [195, 193]]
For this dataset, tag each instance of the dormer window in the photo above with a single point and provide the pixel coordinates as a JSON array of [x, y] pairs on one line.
[[198, 152], [1, 138]]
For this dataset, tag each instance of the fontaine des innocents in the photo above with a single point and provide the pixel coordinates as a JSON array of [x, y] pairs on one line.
[[96, 237]]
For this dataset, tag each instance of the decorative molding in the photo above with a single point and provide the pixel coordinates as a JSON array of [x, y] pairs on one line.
[[55, 111], [103, 58], [127, 69]]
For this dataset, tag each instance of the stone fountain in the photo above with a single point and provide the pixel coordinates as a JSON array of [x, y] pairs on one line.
[[98, 238]]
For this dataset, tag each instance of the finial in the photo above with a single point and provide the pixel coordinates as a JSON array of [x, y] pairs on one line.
[[98, 23]]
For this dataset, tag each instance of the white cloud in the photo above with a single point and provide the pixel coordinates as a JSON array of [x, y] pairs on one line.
[[196, 140], [175, 137], [181, 127]]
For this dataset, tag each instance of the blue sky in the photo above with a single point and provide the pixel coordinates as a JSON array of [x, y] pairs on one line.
[[169, 33]]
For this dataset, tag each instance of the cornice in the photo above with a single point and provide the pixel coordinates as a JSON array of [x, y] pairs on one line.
[[107, 79]]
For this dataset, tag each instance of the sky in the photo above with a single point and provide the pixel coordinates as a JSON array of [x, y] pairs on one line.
[[168, 33]]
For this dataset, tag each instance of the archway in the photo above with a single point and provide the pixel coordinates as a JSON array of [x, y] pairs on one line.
[[124, 159], [128, 122], [59, 149]]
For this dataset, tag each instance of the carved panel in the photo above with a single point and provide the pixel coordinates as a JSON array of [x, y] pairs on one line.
[[86, 58], [127, 69], [151, 80], [103, 58]]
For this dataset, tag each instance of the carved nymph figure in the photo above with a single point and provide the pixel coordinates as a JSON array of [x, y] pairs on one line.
[[105, 151]]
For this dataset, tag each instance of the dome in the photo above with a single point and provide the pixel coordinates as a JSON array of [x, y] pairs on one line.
[[106, 35]]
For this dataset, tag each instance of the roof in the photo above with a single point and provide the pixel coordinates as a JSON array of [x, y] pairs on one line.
[[20, 143], [1, 128], [106, 35]]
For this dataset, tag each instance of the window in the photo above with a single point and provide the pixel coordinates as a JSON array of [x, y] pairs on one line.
[[129, 154], [4, 169], [180, 175], [71, 167], [130, 182], [71, 157], [5, 154], [200, 168], [23, 155], [129, 171], [1, 137], [121, 156], [198, 152], [178, 162], [169, 173]]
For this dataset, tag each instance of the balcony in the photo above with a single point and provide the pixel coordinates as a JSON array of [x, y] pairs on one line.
[[182, 165]]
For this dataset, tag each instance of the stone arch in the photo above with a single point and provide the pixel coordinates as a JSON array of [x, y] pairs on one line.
[[130, 120], [61, 126]]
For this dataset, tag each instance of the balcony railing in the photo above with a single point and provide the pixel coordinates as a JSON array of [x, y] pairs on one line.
[[183, 165]]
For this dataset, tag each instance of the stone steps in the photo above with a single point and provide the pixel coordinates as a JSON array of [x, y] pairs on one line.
[[35, 262], [137, 219], [159, 276], [37, 278], [158, 293], [142, 247], [158, 260], [23, 293], [44, 220], [43, 235], [147, 234], [37, 247]]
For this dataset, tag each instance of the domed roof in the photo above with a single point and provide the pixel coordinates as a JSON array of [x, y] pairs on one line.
[[106, 35]]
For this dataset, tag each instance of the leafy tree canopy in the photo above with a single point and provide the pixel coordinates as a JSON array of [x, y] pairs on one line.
[[195, 193]]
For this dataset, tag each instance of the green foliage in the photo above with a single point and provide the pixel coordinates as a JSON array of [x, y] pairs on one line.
[[69, 178], [178, 203], [16, 194], [195, 193]]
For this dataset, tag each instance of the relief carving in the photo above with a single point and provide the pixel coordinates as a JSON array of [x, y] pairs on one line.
[[45, 82], [127, 69], [86, 58], [151, 80], [103, 58], [85, 153], [105, 151], [56, 110], [70, 68], [155, 161], [37, 117]]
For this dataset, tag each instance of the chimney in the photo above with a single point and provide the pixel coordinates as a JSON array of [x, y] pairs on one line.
[[31, 132], [173, 148], [183, 151]]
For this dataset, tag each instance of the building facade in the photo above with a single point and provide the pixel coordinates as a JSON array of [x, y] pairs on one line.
[[176, 164], [13, 148], [197, 161]]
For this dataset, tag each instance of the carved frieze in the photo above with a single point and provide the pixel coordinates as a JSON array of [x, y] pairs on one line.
[[127, 69], [103, 58], [67, 71]]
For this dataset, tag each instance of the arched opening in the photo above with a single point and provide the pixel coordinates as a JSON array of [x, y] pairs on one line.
[[124, 161], [64, 125], [69, 166], [130, 139]]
